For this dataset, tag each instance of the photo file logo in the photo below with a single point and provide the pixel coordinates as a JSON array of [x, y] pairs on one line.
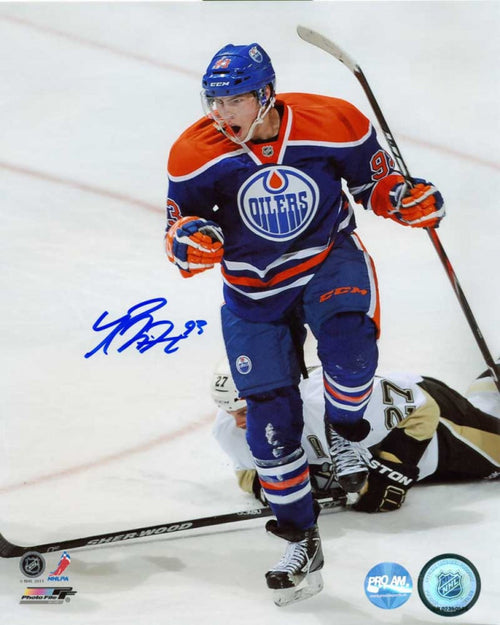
[[47, 594]]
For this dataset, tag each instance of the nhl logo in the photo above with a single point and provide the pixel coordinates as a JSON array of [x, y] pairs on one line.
[[32, 564], [449, 584], [243, 364], [267, 151]]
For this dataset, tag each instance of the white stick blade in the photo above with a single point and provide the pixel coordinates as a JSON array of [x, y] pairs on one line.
[[320, 41]]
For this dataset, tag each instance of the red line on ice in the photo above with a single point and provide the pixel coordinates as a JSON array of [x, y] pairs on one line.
[[101, 46], [119, 455], [81, 186], [457, 154]]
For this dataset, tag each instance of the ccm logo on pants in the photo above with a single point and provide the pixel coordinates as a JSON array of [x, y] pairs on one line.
[[342, 290]]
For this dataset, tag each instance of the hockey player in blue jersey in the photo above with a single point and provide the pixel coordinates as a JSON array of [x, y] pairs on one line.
[[257, 185]]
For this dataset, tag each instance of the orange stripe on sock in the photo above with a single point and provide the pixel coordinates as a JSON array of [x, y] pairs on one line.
[[286, 483], [357, 398]]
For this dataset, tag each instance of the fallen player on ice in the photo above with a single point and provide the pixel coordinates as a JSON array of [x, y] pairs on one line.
[[421, 429]]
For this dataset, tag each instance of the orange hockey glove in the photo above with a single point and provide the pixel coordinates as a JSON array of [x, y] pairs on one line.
[[194, 245], [421, 206]]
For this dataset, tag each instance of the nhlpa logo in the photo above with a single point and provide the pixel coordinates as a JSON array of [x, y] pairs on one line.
[[450, 584], [255, 55], [57, 574], [278, 203]]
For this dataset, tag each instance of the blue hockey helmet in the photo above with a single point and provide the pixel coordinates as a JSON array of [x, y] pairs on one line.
[[239, 69]]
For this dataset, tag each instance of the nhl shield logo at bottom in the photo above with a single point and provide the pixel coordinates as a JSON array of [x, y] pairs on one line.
[[449, 585]]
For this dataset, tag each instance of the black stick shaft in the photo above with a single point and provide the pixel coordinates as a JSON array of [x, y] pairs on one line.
[[10, 550], [438, 246], [492, 366]]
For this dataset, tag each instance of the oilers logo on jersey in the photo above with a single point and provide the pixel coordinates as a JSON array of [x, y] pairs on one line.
[[278, 203], [243, 364], [255, 54]]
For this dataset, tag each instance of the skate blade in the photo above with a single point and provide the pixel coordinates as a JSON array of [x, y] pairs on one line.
[[310, 586]]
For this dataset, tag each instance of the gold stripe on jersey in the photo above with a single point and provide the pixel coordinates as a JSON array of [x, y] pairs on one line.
[[421, 424], [481, 385], [245, 479], [385, 455], [485, 443]]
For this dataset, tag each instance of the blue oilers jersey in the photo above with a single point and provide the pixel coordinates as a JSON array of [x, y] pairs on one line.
[[279, 203]]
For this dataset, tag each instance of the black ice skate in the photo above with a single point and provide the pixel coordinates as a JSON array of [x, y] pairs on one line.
[[297, 575], [349, 469]]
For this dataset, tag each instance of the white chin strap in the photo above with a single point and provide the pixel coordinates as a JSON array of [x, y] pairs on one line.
[[263, 111]]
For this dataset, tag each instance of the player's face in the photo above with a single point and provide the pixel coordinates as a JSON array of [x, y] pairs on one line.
[[237, 112], [240, 416]]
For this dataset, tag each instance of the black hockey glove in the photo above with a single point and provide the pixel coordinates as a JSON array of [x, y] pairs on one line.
[[387, 485]]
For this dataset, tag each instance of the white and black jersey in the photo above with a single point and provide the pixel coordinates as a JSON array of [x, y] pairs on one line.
[[456, 437]]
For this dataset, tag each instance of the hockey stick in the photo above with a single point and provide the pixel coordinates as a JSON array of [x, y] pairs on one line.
[[314, 38], [10, 550]]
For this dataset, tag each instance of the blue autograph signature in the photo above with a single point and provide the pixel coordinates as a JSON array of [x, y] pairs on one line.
[[141, 317]]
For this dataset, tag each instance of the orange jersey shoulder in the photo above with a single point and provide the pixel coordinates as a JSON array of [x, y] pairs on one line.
[[322, 118], [198, 145]]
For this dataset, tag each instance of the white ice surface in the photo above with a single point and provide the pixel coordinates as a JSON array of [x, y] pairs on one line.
[[92, 96]]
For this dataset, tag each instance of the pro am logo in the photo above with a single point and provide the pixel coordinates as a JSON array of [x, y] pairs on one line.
[[278, 202]]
